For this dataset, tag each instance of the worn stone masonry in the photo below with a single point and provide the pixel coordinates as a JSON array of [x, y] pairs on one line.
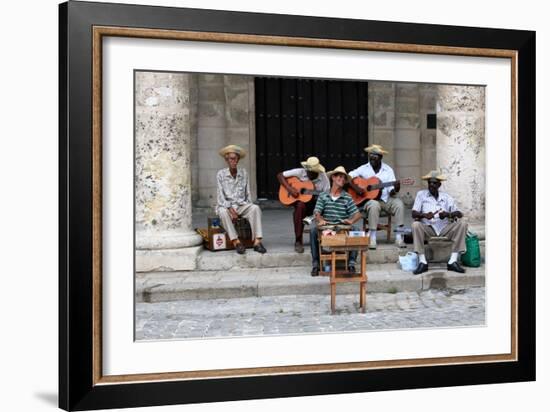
[[225, 108], [164, 126], [461, 145]]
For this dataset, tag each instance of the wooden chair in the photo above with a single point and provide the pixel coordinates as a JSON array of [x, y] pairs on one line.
[[381, 226], [342, 276]]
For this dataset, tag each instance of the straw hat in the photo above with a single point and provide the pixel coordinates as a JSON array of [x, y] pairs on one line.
[[312, 164], [434, 174], [339, 169], [376, 149], [232, 148]]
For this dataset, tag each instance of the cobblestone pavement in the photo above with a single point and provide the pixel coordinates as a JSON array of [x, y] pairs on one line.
[[309, 314]]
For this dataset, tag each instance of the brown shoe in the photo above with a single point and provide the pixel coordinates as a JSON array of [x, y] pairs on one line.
[[298, 247]]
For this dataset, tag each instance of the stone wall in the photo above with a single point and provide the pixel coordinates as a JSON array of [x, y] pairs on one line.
[[382, 117], [225, 108], [407, 146], [397, 117], [461, 146], [398, 121], [428, 105]]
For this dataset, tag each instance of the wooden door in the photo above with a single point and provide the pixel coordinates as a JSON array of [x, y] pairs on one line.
[[298, 118]]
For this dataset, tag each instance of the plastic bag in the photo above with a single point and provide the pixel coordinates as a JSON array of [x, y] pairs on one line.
[[408, 262], [472, 257]]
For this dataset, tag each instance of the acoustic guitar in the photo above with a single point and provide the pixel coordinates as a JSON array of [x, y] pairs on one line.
[[306, 190], [372, 187]]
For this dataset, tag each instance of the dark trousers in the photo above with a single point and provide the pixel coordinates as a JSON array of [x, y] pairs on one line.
[[301, 210]]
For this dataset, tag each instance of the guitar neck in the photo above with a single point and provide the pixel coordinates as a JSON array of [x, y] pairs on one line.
[[383, 185]]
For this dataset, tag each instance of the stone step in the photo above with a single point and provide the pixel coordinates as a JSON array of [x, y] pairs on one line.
[[240, 283], [226, 260]]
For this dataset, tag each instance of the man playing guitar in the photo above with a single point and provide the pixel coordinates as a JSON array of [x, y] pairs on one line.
[[387, 199], [311, 171]]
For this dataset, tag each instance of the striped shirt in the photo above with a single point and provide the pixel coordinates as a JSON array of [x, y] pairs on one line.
[[334, 211]]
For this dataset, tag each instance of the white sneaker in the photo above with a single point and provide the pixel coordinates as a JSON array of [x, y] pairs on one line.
[[372, 243], [400, 243]]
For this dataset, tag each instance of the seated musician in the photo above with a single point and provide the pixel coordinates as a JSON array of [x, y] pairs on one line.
[[387, 200], [234, 199], [335, 207], [436, 214], [311, 170]]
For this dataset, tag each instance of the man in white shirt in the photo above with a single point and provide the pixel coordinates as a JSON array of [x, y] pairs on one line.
[[311, 170], [436, 213], [387, 200]]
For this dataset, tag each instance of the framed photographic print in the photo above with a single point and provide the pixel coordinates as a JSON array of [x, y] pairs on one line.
[[192, 270]]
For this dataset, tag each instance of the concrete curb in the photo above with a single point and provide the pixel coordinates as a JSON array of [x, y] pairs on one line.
[[163, 287]]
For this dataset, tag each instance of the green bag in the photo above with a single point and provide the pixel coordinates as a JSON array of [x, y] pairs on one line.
[[472, 257]]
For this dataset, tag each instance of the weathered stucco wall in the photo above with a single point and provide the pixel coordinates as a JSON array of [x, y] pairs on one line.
[[461, 146]]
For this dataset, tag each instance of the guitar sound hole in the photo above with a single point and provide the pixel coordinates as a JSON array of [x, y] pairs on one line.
[[369, 188]]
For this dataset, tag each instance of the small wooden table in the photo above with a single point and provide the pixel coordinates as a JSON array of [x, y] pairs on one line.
[[345, 244]]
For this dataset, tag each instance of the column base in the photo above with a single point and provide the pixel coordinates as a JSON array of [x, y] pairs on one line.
[[167, 260], [170, 239]]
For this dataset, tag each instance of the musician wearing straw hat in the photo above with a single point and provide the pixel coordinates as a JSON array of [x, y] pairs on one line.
[[312, 170], [233, 196], [334, 207], [436, 214], [387, 200]]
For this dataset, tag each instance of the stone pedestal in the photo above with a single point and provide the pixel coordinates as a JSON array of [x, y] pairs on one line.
[[460, 147], [438, 250], [164, 236]]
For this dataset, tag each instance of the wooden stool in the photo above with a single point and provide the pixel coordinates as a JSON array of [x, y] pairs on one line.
[[344, 276]]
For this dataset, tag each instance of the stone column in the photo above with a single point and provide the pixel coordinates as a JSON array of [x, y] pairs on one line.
[[460, 146], [164, 236]]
